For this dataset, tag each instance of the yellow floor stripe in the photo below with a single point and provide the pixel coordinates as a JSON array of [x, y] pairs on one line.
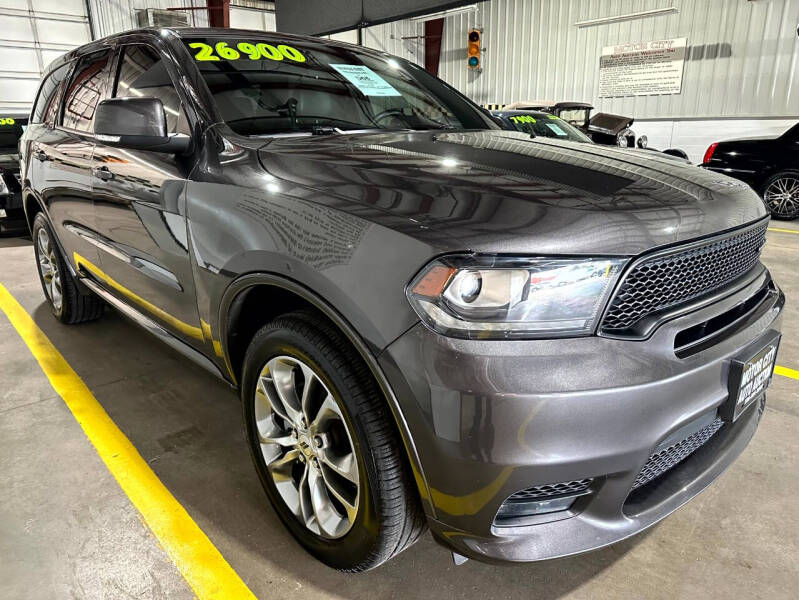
[[786, 372], [783, 230], [198, 560]]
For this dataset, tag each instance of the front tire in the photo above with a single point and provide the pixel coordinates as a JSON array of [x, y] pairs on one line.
[[325, 446], [780, 192], [68, 304]]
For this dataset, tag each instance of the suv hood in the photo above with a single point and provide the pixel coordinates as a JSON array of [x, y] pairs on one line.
[[503, 191]]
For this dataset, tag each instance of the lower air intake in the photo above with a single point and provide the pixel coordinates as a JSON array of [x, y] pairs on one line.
[[565, 488], [665, 459]]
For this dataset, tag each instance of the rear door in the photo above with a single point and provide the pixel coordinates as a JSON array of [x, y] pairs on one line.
[[60, 150], [139, 205]]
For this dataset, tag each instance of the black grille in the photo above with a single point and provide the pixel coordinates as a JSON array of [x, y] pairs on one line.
[[665, 459], [667, 281], [566, 488]]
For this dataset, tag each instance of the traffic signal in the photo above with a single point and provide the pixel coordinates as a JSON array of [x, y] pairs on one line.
[[474, 48]]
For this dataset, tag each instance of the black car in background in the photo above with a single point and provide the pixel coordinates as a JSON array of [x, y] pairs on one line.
[[12, 215], [769, 164]]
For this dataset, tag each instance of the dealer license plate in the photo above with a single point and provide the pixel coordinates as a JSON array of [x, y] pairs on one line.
[[750, 375]]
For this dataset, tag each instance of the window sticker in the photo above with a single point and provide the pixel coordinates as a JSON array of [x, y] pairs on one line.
[[554, 127], [7, 121], [366, 80], [244, 50], [523, 119]]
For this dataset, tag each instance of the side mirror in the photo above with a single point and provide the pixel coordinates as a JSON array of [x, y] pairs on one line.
[[138, 124]]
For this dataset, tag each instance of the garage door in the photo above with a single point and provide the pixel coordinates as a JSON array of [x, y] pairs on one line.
[[33, 33]]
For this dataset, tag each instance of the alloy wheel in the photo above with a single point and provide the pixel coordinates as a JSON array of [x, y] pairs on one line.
[[307, 446], [48, 267], [782, 196]]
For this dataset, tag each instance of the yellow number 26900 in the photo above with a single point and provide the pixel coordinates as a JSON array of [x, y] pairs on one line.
[[259, 51]]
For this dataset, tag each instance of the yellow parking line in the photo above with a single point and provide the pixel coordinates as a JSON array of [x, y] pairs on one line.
[[786, 372], [197, 559], [783, 230]]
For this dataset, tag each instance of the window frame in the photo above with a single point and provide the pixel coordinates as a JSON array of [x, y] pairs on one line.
[[57, 95], [185, 102], [104, 95]]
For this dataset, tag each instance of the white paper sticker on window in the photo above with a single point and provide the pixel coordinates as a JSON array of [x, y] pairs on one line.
[[366, 80], [554, 127]]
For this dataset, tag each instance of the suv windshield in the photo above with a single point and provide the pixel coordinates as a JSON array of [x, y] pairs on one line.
[[263, 86], [11, 129], [545, 125]]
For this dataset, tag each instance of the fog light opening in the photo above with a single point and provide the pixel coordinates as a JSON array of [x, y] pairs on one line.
[[512, 510]]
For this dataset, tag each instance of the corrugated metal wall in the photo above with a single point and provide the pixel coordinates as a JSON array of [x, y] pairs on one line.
[[743, 57], [113, 16]]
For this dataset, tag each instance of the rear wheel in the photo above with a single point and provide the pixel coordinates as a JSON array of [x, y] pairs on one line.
[[781, 194], [325, 446], [66, 301]]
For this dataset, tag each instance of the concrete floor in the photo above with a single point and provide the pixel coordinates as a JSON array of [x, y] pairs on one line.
[[68, 531]]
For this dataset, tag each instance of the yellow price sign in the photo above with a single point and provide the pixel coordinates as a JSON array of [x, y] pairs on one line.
[[7, 121], [250, 50], [522, 119]]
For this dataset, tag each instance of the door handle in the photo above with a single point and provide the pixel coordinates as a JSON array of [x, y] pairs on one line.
[[41, 155], [103, 173]]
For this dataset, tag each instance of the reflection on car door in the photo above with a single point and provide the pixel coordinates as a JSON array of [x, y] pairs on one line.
[[139, 207], [60, 153]]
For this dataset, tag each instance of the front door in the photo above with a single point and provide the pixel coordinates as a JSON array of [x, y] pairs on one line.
[[60, 152], [140, 207]]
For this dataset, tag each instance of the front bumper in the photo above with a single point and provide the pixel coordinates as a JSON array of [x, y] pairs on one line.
[[490, 418]]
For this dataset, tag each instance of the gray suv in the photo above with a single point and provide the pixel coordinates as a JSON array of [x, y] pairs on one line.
[[531, 346]]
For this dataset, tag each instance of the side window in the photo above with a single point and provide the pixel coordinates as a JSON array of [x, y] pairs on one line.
[[84, 91], [142, 73], [47, 101]]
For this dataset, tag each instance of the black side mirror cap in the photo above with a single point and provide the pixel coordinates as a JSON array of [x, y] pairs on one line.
[[138, 124]]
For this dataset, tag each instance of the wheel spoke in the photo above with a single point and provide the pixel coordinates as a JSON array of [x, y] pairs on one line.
[[44, 266], [44, 243], [310, 386], [328, 410], [327, 517], [342, 496], [282, 466], [307, 513], [346, 466], [282, 376]]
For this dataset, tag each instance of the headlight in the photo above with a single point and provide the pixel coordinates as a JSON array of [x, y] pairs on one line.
[[504, 297]]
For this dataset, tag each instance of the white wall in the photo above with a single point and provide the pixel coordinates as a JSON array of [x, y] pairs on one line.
[[113, 16], [248, 18], [31, 36]]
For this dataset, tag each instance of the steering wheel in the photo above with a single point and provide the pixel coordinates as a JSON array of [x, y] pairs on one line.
[[389, 112]]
